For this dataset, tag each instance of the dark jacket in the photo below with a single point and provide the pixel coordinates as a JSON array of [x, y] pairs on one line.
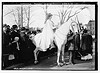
[[26, 49], [87, 43], [14, 45], [14, 34], [6, 41], [76, 41]]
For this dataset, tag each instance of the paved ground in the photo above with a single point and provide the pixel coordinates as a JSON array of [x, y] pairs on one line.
[[50, 64]]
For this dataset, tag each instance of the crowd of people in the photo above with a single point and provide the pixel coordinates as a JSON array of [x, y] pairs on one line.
[[16, 44], [80, 46]]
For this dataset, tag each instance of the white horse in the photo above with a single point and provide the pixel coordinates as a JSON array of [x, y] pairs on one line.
[[60, 39]]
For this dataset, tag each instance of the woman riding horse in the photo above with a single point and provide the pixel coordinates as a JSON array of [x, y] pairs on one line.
[[45, 38]]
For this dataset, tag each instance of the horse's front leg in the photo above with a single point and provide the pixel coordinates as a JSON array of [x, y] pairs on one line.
[[58, 56], [63, 48], [36, 52]]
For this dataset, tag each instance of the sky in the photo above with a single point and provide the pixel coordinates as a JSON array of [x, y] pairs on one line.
[[38, 16]]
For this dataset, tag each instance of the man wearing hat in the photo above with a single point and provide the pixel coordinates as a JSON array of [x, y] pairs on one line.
[[15, 36], [5, 45], [26, 52], [86, 43]]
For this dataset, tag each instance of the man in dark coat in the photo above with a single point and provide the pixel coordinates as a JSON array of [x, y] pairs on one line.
[[71, 48], [15, 37], [6, 45], [86, 43], [26, 47]]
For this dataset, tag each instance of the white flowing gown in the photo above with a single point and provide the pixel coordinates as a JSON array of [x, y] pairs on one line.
[[44, 39]]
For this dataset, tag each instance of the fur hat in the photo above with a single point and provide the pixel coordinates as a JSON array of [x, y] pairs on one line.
[[14, 26]]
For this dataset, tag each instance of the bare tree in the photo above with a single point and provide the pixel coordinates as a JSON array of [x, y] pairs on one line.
[[8, 13], [45, 8], [15, 17], [21, 16], [65, 15], [15, 12], [27, 14]]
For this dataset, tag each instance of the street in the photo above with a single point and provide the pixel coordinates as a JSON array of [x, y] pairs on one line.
[[49, 63]]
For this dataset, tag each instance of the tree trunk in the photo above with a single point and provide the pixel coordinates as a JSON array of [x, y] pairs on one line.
[[28, 17], [21, 16]]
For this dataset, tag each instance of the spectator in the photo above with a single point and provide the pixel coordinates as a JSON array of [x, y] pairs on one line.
[[71, 49], [26, 46], [86, 43], [15, 37], [6, 45]]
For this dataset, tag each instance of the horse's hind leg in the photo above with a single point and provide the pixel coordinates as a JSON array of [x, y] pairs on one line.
[[35, 55]]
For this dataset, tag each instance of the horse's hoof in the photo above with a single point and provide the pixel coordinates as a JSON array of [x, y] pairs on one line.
[[64, 63], [60, 64], [36, 62]]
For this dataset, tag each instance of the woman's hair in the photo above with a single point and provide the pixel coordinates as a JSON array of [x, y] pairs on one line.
[[48, 16]]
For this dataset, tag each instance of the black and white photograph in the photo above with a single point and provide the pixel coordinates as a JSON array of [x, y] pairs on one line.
[[49, 36]]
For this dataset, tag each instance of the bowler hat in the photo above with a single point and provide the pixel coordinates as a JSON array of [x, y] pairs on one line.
[[14, 26]]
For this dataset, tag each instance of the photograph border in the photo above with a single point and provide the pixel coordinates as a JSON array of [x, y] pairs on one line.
[[88, 3]]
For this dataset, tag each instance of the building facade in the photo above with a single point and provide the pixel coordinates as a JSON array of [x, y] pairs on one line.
[[91, 27]]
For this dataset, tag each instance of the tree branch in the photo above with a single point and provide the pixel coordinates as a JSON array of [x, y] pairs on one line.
[[67, 12], [8, 13], [31, 22], [75, 13], [15, 17], [26, 13]]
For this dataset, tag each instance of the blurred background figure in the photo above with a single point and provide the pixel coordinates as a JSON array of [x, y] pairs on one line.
[[26, 46], [71, 49], [86, 45], [6, 44]]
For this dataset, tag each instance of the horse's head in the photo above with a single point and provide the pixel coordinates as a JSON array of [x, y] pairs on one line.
[[74, 27]]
